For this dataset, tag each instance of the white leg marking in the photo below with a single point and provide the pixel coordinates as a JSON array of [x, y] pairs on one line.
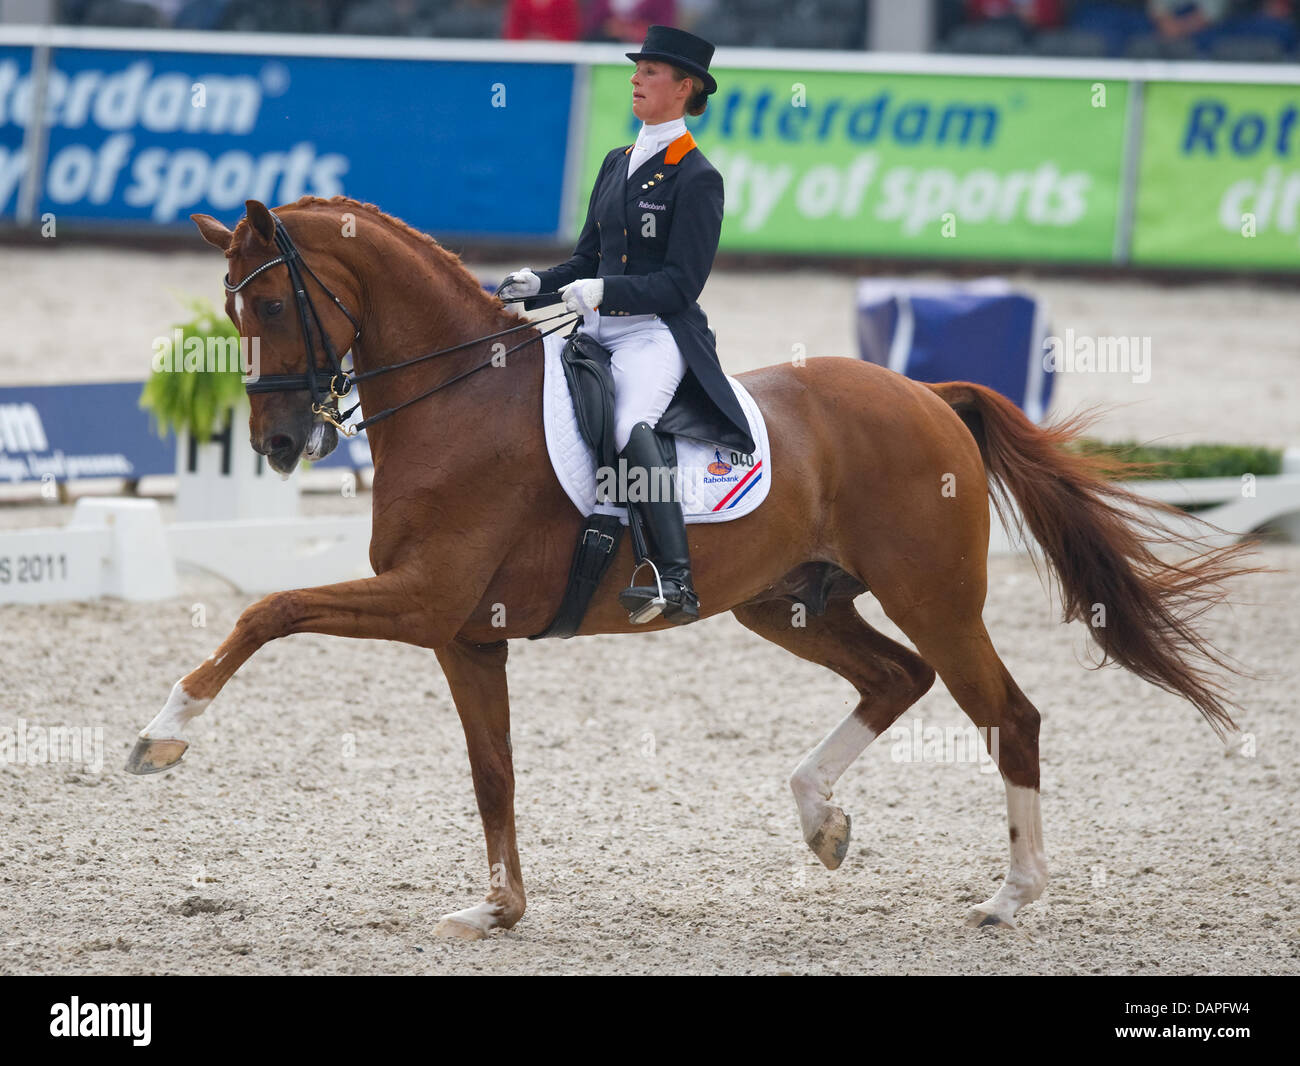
[[1028, 874], [482, 916], [1234, 743], [819, 770], [172, 719]]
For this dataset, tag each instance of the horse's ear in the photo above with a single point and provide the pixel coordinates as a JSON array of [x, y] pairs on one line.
[[260, 220], [213, 231]]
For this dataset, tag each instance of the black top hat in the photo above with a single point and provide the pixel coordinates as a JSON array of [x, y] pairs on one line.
[[681, 49]]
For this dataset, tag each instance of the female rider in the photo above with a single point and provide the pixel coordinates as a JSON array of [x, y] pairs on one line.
[[641, 260]]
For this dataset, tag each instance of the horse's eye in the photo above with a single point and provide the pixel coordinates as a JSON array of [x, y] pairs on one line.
[[273, 307]]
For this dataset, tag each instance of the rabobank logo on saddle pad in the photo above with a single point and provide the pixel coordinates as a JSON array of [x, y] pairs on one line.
[[155, 136]]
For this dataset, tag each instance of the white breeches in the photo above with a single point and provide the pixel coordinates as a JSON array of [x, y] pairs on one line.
[[646, 363]]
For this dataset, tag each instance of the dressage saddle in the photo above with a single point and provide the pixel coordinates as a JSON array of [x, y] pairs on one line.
[[591, 385]]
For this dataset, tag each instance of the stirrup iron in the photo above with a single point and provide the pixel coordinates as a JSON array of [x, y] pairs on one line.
[[651, 609]]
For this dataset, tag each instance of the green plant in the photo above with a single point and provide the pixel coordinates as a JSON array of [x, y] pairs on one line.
[[192, 384], [1187, 461]]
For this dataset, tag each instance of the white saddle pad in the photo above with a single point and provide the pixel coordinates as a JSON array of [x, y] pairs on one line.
[[715, 485]]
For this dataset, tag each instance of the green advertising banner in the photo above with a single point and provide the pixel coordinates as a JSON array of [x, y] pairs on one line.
[[901, 165], [1219, 182]]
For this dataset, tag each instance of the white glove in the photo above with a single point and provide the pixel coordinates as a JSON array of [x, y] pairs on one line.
[[583, 295], [521, 283]]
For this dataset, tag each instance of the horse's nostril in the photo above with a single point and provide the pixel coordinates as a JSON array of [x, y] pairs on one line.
[[280, 443]]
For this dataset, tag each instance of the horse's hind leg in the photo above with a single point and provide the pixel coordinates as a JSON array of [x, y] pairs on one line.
[[953, 638], [889, 679]]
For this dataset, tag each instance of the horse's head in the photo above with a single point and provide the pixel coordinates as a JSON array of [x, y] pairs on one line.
[[282, 425]]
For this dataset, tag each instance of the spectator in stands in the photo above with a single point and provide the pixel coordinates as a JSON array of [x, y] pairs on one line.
[[166, 9], [1032, 15], [200, 15], [544, 20], [690, 12], [133, 14], [1271, 17], [1186, 18], [627, 20]]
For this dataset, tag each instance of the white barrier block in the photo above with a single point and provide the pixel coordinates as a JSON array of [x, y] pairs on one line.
[[271, 555], [53, 565], [1237, 507], [139, 565], [111, 547]]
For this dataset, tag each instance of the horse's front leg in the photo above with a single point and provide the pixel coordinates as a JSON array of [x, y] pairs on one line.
[[477, 676], [388, 607]]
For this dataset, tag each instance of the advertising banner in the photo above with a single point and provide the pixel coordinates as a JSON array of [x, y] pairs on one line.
[[152, 136], [58, 432], [15, 70], [900, 165], [61, 432], [1219, 181]]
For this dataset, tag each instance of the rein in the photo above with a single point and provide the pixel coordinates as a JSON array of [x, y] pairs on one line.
[[334, 377]]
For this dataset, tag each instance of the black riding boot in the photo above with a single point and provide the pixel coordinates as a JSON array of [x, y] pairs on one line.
[[665, 529]]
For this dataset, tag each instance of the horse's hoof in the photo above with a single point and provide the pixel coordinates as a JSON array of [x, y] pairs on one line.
[[831, 841], [980, 919], [452, 928], [153, 756]]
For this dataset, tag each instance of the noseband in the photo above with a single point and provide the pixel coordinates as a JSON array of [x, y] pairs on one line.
[[328, 384]]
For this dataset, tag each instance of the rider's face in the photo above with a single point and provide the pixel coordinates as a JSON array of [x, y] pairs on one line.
[[656, 95]]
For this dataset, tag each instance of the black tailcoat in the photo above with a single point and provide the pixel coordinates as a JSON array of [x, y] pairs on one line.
[[653, 240]]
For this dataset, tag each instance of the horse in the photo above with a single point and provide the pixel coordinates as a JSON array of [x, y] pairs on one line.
[[884, 486]]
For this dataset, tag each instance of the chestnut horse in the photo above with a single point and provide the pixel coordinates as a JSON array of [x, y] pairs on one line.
[[882, 485]]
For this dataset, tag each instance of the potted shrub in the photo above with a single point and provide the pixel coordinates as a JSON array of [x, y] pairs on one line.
[[1189, 460], [1239, 489]]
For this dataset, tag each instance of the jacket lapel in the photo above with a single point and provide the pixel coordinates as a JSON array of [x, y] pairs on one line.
[[658, 169]]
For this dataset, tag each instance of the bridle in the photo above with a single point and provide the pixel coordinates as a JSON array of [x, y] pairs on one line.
[[329, 384]]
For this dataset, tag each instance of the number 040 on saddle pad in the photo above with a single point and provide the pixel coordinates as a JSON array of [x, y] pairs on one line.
[[715, 484]]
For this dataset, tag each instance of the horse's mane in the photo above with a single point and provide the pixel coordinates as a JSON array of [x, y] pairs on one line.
[[453, 266]]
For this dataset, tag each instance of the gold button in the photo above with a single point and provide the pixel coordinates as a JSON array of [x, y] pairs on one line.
[[625, 258], [624, 231]]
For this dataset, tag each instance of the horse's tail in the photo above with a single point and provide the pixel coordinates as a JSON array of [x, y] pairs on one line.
[[1098, 540]]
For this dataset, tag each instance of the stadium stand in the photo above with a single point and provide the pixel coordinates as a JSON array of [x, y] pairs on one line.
[[1230, 30], [1244, 31]]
